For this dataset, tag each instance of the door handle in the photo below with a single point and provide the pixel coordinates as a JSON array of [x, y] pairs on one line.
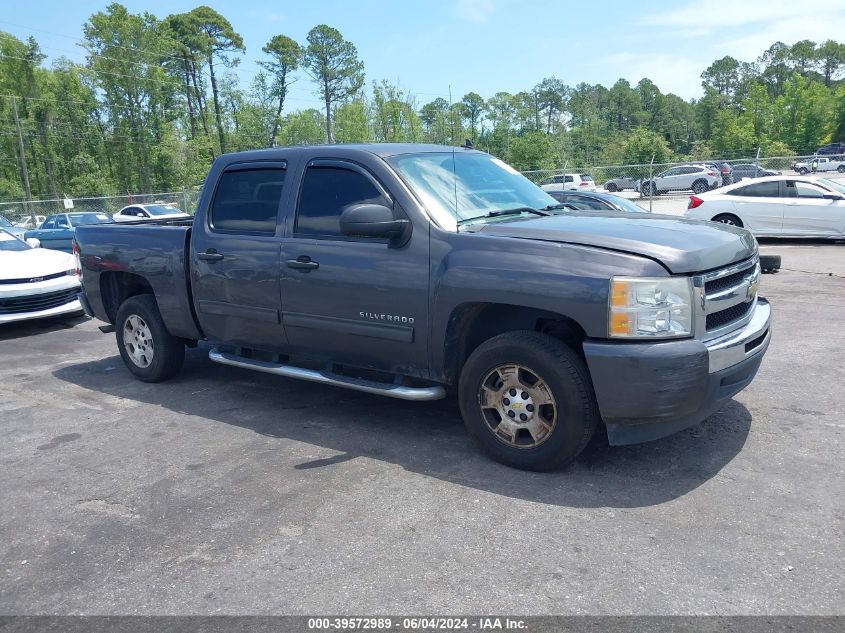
[[210, 256], [303, 262]]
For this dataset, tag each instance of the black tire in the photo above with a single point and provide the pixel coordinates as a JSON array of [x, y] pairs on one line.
[[803, 171], [649, 189], [567, 380], [728, 218], [611, 187], [700, 186], [769, 263], [841, 169], [168, 352]]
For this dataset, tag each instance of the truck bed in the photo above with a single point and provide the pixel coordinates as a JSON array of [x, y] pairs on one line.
[[152, 252]]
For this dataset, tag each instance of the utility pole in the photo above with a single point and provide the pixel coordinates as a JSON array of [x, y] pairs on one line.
[[24, 170]]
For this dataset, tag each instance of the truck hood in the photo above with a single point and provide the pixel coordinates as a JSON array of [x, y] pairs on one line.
[[681, 245]]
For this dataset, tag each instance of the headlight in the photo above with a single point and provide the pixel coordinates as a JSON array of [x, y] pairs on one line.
[[650, 307]]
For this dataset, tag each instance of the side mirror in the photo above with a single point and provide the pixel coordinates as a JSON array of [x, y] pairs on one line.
[[372, 220], [34, 242], [833, 196]]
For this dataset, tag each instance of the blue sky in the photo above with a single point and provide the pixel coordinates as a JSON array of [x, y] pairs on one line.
[[484, 45]]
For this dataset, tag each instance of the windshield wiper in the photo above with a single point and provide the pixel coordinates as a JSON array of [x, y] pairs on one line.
[[559, 205], [502, 212]]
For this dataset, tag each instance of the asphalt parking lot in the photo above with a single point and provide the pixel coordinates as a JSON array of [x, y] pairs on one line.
[[226, 491]]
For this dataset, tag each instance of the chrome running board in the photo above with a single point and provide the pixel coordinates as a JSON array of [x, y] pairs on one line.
[[391, 390]]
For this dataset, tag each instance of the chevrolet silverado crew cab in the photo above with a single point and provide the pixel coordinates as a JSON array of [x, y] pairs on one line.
[[415, 270]]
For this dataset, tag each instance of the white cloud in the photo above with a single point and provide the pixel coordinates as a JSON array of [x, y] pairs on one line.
[[477, 11], [743, 32], [670, 73]]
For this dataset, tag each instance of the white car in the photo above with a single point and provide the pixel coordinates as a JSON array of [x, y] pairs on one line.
[[156, 211], [694, 178], [26, 223], [777, 206], [35, 282], [569, 182]]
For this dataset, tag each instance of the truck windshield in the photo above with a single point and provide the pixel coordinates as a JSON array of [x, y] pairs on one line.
[[460, 186]]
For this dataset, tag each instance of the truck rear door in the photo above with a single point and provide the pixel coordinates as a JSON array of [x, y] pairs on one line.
[[235, 257], [358, 301]]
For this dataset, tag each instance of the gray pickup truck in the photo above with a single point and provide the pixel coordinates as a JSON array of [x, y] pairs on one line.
[[414, 270]]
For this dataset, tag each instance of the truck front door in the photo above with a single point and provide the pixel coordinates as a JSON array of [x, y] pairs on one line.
[[359, 301], [235, 258]]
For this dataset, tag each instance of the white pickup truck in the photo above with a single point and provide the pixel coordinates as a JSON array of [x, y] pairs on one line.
[[821, 163]]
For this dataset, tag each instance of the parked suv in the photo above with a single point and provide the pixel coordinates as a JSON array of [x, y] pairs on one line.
[[569, 182], [682, 178], [748, 170], [831, 148]]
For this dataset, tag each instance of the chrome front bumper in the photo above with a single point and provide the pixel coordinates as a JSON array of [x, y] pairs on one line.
[[736, 346]]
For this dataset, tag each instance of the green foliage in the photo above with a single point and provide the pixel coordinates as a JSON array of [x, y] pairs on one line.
[[333, 63], [158, 98], [642, 144]]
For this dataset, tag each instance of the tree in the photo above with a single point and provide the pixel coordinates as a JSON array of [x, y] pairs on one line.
[[552, 95], [776, 67], [218, 38], [642, 144], [722, 77], [473, 108], [333, 63], [831, 60], [803, 56], [285, 55]]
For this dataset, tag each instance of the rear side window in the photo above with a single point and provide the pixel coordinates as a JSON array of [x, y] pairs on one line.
[[568, 179], [758, 190], [247, 200], [326, 193], [586, 177], [802, 190]]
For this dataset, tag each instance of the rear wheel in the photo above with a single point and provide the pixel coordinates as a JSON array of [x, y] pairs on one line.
[[528, 400], [841, 169], [611, 187], [700, 186], [649, 189], [727, 218], [149, 351]]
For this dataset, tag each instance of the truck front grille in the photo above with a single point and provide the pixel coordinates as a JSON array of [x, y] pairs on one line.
[[37, 302], [729, 295], [724, 317]]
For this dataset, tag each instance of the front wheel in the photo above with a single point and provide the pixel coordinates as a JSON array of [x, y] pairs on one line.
[[841, 169], [700, 186], [611, 187], [149, 351], [528, 400]]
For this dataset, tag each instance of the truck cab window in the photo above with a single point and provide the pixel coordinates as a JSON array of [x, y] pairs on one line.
[[326, 193], [247, 201]]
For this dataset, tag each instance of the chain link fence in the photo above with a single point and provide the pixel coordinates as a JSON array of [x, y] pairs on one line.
[[635, 179], [21, 212]]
